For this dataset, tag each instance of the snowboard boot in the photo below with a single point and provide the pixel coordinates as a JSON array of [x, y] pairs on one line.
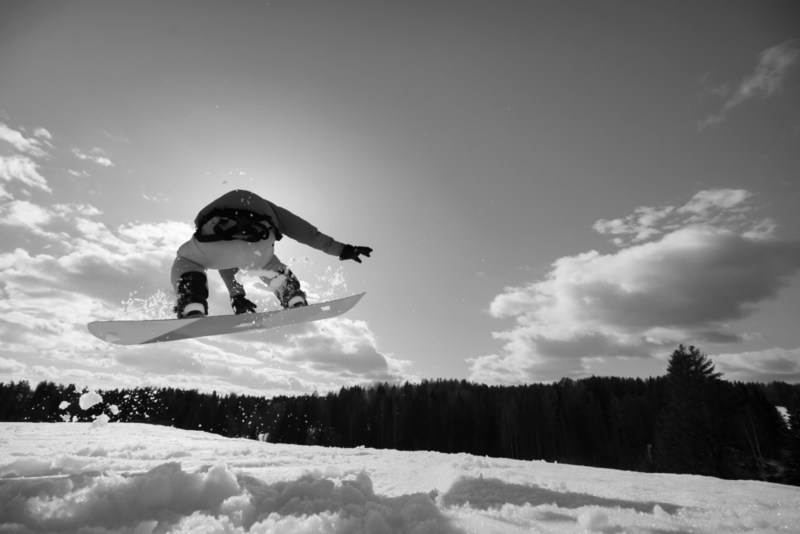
[[286, 288], [192, 295]]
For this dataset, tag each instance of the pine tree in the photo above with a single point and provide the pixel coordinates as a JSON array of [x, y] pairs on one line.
[[686, 435], [793, 446]]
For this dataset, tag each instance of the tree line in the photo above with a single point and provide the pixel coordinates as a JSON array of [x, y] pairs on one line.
[[689, 421]]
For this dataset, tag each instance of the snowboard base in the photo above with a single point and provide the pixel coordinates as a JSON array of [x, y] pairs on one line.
[[159, 331]]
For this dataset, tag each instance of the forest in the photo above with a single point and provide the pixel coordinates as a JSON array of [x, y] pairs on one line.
[[690, 421]]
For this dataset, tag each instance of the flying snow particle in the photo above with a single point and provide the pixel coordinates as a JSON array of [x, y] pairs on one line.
[[64, 405], [277, 282], [114, 409], [89, 399]]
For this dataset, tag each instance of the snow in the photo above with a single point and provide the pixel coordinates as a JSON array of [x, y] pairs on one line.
[[89, 399], [145, 479], [784, 413]]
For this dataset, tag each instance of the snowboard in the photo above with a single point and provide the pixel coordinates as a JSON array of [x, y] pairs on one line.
[[158, 331]]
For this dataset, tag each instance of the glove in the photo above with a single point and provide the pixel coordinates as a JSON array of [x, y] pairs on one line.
[[241, 304], [351, 253]]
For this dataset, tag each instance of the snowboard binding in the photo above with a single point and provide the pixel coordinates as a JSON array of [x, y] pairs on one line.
[[192, 295]]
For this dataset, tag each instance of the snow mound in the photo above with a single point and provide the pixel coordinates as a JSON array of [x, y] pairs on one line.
[[146, 479], [484, 493], [38, 467], [212, 500], [594, 520], [100, 421]]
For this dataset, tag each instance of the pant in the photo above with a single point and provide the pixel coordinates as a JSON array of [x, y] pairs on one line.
[[228, 257]]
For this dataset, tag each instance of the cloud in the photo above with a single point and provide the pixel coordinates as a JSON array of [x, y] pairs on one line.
[[201, 365], [715, 199], [341, 348], [688, 286], [99, 159], [8, 366], [724, 208], [22, 169], [81, 209], [157, 198], [775, 364], [22, 213], [43, 134], [49, 298], [773, 66], [28, 215], [30, 146]]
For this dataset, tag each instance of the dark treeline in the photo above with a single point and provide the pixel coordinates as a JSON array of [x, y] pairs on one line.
[[689, 421]]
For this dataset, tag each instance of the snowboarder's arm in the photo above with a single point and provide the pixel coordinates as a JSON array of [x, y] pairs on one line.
[[304, 232]]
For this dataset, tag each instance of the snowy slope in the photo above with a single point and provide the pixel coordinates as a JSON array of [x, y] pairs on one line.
[[71, 477]]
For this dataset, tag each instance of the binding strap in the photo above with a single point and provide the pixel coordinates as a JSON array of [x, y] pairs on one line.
[[248, 226]]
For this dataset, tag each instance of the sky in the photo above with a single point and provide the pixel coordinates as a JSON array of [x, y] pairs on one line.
[[551, 189], [140, 479]]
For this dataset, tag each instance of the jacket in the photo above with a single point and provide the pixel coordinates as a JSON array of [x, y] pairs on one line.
[[286, 222]]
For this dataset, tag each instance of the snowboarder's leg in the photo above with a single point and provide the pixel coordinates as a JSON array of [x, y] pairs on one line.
[[284, 284], [190, 283], [229, 277]]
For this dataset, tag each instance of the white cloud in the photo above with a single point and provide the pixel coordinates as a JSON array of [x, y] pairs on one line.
[[22, 169], [724, 208], [773, 364], [689, 286], [773, 65], [158, 198], [22, 213], [9, 366], [705, 201], [86, 210], [341, 348], [42, 133], [25, 214], [640, 225], [22, 143], [100, 160]]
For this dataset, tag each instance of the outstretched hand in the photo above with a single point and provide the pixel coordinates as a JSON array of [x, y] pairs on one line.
[[352, 253], [242, 304]]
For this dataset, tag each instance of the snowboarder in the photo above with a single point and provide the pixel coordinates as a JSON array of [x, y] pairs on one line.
[[239, 231]]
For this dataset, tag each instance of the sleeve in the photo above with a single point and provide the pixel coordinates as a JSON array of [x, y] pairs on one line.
[[304, 232]]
